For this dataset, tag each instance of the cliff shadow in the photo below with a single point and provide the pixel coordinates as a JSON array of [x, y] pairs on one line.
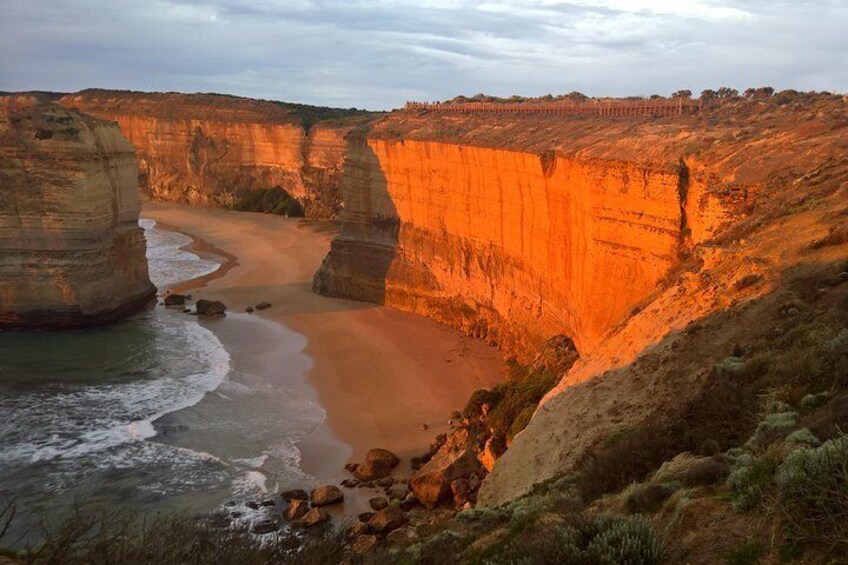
[[361, 257]]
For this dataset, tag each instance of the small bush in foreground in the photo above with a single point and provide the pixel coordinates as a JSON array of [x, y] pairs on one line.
[[750, 479], [813, 493], [627, 542], [589, 540], [774, 427], [92, 538]]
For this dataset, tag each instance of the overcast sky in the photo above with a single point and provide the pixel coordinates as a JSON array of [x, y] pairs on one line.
[[380, 53]]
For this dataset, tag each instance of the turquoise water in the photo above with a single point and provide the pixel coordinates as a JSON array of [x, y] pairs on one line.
[[148, 414]]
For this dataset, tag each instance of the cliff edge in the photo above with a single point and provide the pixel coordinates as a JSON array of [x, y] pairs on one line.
[[72, 253]]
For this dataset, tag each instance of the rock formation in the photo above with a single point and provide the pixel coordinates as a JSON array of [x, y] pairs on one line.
[[612, 232], [209, 149], [71, 251]]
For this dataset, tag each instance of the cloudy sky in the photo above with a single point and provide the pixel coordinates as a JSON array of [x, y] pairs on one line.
[[379, 53]]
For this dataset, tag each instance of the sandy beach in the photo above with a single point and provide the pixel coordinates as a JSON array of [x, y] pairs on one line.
[[382, 376]]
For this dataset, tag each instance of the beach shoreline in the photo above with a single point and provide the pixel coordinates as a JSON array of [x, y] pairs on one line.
[[384, 378]]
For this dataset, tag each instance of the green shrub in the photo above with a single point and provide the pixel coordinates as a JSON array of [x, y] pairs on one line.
[[813, 493], [587, 540], [750, 479], [521, 393], [802, 437], [730, 366], [627, 542], [811, 401], [555, 547], [648, 497], [774, 427], [271, 200], [444, 548]]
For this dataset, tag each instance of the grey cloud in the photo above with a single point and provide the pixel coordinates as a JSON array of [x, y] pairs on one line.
[[379, 53]]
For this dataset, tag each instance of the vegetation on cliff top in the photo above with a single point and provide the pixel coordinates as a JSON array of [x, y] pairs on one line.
[[709, 95], [172, 103]]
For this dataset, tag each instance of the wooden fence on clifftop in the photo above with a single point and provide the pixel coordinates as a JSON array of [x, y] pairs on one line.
[[646, 107]]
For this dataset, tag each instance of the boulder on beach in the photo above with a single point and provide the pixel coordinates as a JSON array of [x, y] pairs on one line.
[[378, 503], [211, 308], [387, 520], [314, 517], [297, 493], [365, 543], [365, 516], [175, 300], [297, 509], [455, 460], [263, 305], [378, 464], [398, 492], [326, 495]]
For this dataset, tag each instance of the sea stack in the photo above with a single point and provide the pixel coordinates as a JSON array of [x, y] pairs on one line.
[[71, 251]]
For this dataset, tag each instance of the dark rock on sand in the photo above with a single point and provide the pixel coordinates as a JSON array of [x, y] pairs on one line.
[[175, 300], [314, 517], [211, 308], [326, 495], [378, 464], [378, 503], [455, 460], [365, 543], [365, 516], [297, 493], [297, 509], [387, 520]]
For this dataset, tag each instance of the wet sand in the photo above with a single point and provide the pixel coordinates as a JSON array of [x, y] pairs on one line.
[[380, 375]]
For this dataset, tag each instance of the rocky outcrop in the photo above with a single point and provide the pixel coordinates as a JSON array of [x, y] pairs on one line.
[[209, 150], [71, 251]]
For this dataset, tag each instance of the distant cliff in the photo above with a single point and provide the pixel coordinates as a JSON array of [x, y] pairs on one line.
[[210, 149], [71, 251]]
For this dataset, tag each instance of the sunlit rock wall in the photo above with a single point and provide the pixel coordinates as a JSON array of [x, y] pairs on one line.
[[71, 250]]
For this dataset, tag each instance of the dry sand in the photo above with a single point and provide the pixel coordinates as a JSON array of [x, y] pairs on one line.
[[379, 374]]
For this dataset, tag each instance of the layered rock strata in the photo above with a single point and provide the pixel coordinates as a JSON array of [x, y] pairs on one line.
[[510, 246], [210, 150], [71, 251]]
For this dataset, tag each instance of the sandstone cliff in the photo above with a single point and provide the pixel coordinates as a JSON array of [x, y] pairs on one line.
[[614, 232], [71, 250], [209, 149]]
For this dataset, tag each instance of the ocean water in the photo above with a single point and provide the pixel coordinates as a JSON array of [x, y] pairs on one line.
[[149, 414]]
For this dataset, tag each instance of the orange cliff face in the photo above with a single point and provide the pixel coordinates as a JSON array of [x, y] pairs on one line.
[[617, 233], [511, 246], [209, 149], [71, 251]]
